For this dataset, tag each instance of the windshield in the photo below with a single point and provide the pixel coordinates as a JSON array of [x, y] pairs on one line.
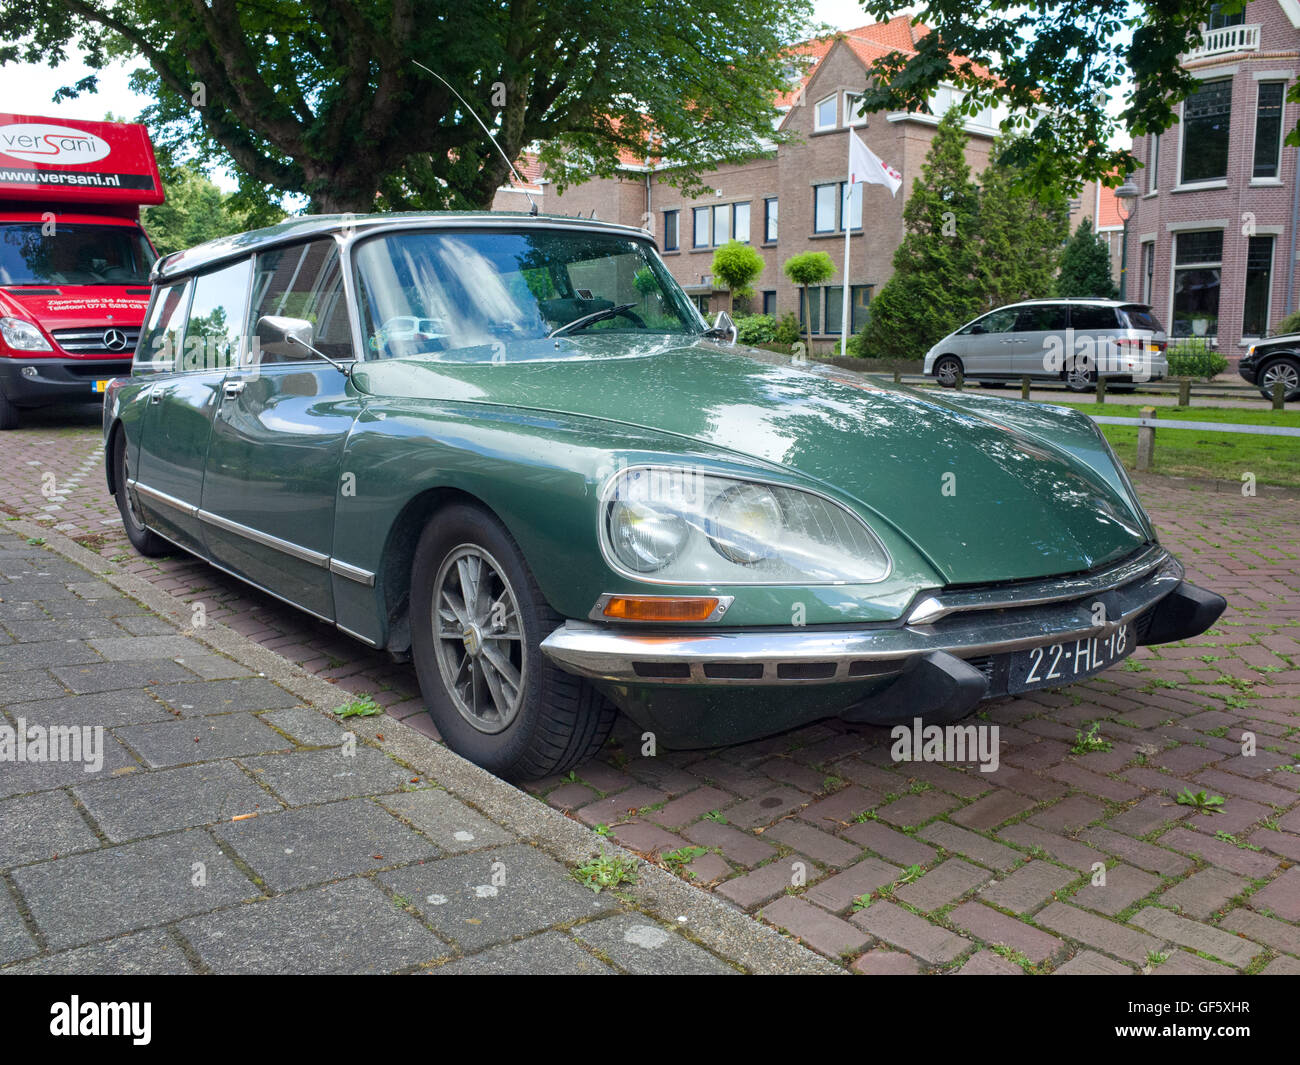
[[73, 254], [468, 296]]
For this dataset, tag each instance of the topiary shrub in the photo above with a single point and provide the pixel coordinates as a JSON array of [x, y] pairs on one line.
[[1193, 357], [756, 329]]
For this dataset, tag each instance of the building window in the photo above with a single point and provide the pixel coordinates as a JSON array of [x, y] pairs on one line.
[[860, 298], [834, 304], [700, 223], [702, 302], [721, 225], [824, 114], [769, 220], [852, 100], [810, 305], [741, 222], [769, 302], [1205, 131], [1218, 20], [1268, 130], [1153, 162], [1148, 269], [670, 230], [851, 204], [1198, 265], [824, 205], [1259, 276]]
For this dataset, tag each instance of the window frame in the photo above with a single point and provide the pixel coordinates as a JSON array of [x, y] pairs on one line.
[[675, 215], [238, 358], [1268, 285], [1280, 135], [748, 205], [818, 125], [1175, 267], [852, 120], [696, 244], [771, 219], [1182, 137]]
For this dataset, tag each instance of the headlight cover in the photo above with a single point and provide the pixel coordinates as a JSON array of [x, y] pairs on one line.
[[23, 336], [670, 525]]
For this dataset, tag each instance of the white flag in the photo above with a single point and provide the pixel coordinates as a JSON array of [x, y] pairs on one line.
[[865, 166]]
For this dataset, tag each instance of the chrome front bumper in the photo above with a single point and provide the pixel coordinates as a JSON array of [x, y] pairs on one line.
[[964, 623]]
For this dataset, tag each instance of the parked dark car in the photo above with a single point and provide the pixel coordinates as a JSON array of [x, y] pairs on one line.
[[1274, 360]]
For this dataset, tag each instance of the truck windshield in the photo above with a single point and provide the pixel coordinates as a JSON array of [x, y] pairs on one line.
[[32, 253], [469, 296]]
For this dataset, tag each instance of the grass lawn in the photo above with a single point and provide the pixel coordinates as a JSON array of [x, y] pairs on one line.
[[1193, 453]]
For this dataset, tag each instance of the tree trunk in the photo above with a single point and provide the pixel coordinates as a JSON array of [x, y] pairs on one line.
[[807, 323]]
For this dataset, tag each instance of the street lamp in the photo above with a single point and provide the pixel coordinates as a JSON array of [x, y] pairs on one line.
[[1125, 202]]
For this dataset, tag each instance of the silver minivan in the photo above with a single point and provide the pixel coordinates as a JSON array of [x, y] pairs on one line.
[[1073, 340]]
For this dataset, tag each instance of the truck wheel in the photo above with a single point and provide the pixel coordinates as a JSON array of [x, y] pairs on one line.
[[148, 543], [477, 622], [9, 417]]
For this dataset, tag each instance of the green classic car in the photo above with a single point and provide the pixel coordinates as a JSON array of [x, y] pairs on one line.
[[510, 448]]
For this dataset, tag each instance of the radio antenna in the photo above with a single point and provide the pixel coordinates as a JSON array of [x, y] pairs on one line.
[[518, 177]]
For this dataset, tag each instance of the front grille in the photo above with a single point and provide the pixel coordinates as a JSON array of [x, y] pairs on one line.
[[91, 341]]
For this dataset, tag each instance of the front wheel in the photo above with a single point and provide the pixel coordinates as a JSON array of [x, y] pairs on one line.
[[148, 543], [1080, 380], [477, 622], [1284, 372], [947, 370]]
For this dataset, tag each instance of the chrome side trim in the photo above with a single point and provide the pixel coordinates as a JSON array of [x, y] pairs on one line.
[[316, 558], [356, 635], [597, 612], [188, 509], [352, 573]]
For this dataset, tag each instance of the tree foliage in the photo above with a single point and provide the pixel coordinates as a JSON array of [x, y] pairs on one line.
[[735, 265], [810, 268], [323, 98], [196, 211], [1057, 60], [1085, 266]]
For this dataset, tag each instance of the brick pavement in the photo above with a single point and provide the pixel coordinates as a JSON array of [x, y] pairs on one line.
[[923, 867]]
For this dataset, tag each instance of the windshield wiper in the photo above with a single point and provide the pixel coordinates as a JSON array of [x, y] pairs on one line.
[[588, 319]]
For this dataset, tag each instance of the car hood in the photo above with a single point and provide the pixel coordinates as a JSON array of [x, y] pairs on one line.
[[987, 489]]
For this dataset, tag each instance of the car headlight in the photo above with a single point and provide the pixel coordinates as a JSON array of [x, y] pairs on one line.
[[679, 526], [23, 336]]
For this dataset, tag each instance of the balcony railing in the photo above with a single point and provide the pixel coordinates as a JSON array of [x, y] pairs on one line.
[[1225, 40]]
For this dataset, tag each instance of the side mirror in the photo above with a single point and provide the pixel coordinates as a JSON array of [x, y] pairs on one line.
[[724, 326], [283, 339], [977, 329]]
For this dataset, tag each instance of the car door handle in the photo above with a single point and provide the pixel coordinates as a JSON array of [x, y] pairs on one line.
[[232, 389], [155, 396]]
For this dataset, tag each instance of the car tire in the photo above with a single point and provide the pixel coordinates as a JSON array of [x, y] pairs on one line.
[[1081, 380], [510, 710], [1285, 370], [946, 370], [146, 542], [9, 416]]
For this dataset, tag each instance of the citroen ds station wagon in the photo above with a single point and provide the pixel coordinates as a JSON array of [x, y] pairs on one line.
[[510, 448]]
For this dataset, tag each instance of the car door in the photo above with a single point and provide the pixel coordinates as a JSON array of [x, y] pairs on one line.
[[272, 475], [985, 342], [178, 422], [1036, 337]]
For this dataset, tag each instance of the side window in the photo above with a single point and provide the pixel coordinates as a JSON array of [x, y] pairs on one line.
[[212, 334], [1043, 317], [160, 342], [1087, 318], [303, 281], [997, 322]]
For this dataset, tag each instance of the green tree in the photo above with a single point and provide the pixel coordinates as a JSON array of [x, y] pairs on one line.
[[195, 211], [810, 268], [735, 265], [1060, 61], [324, 99], [1085, 266], [934, 286]]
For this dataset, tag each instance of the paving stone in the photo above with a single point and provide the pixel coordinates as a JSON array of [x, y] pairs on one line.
[[1181, 963], [87, 897], [743, 848], [145, 804], [1144, 855], [1065, 851], [1124, 886], [1281, 896], [1090, 963], [766, 807], [646, 948], [904, 930], [995, 928], [313, 844], [452, 825], [214, 667], [916, 809], [19, 689], [818, 845], [1105, 935], [1235, 817], [1256, 791], [319, 776], [971, 845], [766, 882], [947, 881], [706, 869], [549, 954], [1281, 843], [691, 807], [15, 941], [153, 953], [987, 963], [1069, 815], [1094, 783], [201, 739], [818, 929], [620, 806], [111, 676], [896, 847], [105, 709], [966, 783], [837, 892], [884, 962], [25, 656], [1146, 817], [1028, 887], [309, 727], [1205, 892], [37, 827], [841, 807], [1281, 967], [348, 927], [135, 648], [1266, 930], [992, 810], [1195, 936], [645, 838], [459, 898], [218, 697]]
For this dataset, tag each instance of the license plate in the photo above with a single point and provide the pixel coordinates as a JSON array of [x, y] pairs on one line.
[[1053, 665], [102, 384]]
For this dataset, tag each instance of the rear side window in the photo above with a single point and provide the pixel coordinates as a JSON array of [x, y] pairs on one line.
[[1088, 318], [1045, 317], [1138, 317], [160, 341], [217, 313], [303, 281]]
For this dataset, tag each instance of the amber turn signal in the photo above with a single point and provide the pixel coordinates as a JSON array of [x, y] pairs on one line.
[[661, 607]]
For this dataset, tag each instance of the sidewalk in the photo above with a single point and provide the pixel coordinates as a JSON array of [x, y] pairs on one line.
[[210, 815]]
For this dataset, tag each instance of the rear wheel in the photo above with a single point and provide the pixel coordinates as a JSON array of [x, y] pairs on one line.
[[149, 544], [947, 369], [9, 417], [477, 622], [1284, 371], [1078, 379]]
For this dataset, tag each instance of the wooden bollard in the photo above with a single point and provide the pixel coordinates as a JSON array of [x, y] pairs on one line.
[[1279, 395], [898, 377], [1185, 392], [1024, 387], [961, 379], [1146, 440], [1101, 389]]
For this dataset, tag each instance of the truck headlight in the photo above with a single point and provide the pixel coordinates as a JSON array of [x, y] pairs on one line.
[[679, 526], [23, 336]]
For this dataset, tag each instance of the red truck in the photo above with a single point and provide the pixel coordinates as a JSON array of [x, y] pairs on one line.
[[74, 261]]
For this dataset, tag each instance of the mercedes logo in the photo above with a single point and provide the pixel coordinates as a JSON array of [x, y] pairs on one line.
[[114, 339]]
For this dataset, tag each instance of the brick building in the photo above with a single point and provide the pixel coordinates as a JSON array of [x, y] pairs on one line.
[[1212, 241]]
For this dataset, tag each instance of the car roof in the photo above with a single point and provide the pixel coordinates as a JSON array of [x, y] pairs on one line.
[[1093, 301], [239, 245]]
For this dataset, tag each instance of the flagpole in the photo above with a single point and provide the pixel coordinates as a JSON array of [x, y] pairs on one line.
[[844, 299]]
